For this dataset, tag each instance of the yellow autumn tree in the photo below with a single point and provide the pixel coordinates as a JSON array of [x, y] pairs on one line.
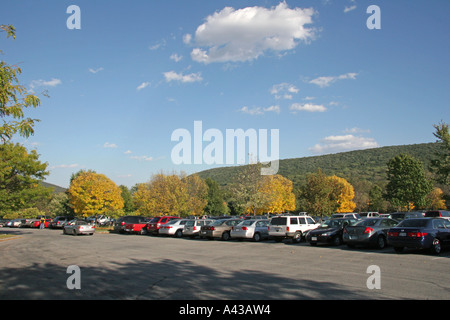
[[343, 194], [277, 195], [435, 199], [91, 193]]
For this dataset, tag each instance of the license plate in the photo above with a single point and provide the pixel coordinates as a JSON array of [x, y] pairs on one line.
[[314, 238], [402, 234], [203, 232], [353, 237]]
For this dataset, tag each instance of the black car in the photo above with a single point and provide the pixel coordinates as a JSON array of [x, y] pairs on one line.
[[424, 233], [330, 231], [370, 231]]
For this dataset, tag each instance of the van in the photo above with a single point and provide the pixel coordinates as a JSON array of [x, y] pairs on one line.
[[291, 227]]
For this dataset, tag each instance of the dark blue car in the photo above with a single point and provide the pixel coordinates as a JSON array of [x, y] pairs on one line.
[[421, 233]]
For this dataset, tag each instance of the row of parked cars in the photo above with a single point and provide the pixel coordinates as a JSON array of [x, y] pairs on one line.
[[421, 230]]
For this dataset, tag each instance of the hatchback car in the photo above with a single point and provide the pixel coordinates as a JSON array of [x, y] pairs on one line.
[[193, 226], [424, 233], [77, 227], [173, 228], [256, 229], [369, 231], [330, 231], [219, 229]]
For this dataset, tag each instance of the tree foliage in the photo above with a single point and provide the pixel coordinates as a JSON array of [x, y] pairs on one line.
[[441, 164], [20, 175], [408, 185], [14, 98], [92, 194]]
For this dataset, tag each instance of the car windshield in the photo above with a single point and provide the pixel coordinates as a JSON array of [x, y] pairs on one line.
[[368, 222], [415, 223], [333, 223], [173, 221]]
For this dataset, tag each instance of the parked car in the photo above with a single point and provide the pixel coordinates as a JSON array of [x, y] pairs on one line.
[[173, 228], [291, 227], [438, 214], [136, 224], [121, 223], [330, 231], [193, 226], [28, 222], [256, 229], [219, 229], [3, 222], [355, 216], [77, 227], [365, 215], [60, 221], [37, 223], [399, 216], [423, 233], [155, 224], [15, 223], [369, 231]]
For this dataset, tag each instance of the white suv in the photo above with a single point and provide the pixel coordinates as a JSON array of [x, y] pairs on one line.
[[293, 227]]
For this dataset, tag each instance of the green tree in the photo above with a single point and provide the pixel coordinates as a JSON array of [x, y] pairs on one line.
[[441, 165], [14, 98], [317, 194], [215, 205], [408, 185], [376, 200], [20, 175], [127, 199]]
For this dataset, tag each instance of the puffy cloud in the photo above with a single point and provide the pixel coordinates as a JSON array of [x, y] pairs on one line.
[[143, 85], [110, 145], [173, 76], [333, 144], [43, 83], [308, 107], [326, 81], [259, 110], [283, 90], [245, 34]]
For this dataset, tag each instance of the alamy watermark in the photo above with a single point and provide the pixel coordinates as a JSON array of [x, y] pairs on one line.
[[235, 147]]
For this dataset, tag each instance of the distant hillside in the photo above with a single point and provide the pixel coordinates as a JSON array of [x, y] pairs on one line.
[[57, 189], [369, 164]]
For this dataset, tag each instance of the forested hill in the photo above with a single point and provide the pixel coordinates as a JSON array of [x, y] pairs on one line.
[[368, 165]]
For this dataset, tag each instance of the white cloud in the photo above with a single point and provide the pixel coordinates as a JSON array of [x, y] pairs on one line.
[[284, 91], [245, 34], [142, 158], [260, 111], [326, 81], [333, 144], [187, 38], [128, 152], [175, 57], [356, 130], [308, 107], [348, 9], [43, 83], [189, 78], [110, 145], [64, 166], [94, 71], [143, 85]]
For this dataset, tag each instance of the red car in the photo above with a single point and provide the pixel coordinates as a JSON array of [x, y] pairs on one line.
[[37, 223], [155, 224]]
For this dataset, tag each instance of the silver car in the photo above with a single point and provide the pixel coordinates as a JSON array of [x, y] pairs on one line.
[[255, 229], [77, 227], [192, 227]]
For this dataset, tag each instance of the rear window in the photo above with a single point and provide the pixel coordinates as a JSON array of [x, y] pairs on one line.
[[278, 221], [432, 214], [155, 220], [367, 222], [415, 223]]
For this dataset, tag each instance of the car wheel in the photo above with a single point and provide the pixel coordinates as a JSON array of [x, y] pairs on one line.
[[297, 237], [337, 241], [74, 232], [179, 234], [436, 246], [381, 242], [226, 236], [256, 237]]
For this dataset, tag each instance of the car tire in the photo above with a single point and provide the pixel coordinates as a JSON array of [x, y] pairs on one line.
[[381, 242], [178, 233], [436, 247], [297, 238], [337, 241], [225, 236], [256, 237]]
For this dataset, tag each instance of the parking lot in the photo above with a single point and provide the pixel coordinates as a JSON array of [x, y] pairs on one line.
[[34, 265]]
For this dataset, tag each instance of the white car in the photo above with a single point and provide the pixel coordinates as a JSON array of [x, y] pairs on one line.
[[291, 227], [256, 229], [192, 227], [173, 228], [77, 227]]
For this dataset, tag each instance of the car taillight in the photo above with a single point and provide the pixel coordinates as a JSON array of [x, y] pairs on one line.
[[194, 228], [168, 227], [287, 229], [122, 223], [417, 234], [244, 228], [368, 230]]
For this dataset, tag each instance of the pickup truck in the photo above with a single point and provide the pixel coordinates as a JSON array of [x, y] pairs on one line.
[[131, 224]]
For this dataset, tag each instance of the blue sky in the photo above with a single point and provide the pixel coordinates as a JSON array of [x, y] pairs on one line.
[[138, 70]]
